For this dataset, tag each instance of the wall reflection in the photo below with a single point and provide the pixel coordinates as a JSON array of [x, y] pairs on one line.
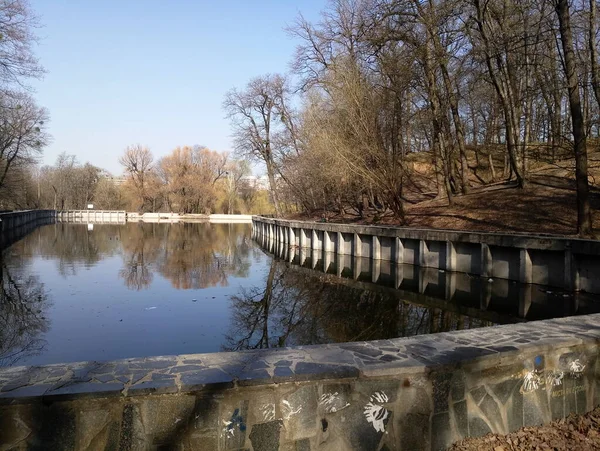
[[301, 306], [312, 297]]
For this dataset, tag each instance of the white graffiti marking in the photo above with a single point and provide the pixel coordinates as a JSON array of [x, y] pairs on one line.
[[379, 397], [531, 382], [268, 412], [576, 368], [288, 410], [332, 402], [228, 430], [554, 378], [375, 413]]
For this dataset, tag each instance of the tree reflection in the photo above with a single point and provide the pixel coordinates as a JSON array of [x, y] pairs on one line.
[[72, 245], [297, 306], [141, 246], [189, 255], [251, 315], [23, 305]]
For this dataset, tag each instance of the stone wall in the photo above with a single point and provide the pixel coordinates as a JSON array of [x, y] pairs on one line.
[[419, 393]]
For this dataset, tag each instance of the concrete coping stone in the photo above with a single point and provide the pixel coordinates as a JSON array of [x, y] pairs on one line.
[[357, 360]]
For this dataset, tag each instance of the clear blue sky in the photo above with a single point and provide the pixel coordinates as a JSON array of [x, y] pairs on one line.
[[152, 72]]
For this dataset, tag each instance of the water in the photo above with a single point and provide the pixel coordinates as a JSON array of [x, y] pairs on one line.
[[71, 292]]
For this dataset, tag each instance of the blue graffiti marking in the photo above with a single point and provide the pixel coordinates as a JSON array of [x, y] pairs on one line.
[[236, 419]]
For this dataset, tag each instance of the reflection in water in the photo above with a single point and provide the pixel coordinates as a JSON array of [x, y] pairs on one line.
[[317, 297], [299, 306], [199, 257], [70, 246], [23, 305], [141, 246], [121, 290], [189, 255]]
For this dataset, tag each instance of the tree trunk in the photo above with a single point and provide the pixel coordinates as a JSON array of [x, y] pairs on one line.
[[273, 186], [526, 134], [458, 124], [492, 169], [438, 134], [593, 51], [584, 219], [500, 73]]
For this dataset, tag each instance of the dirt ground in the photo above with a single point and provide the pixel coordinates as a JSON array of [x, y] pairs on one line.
[[574, 433], [546, 206]]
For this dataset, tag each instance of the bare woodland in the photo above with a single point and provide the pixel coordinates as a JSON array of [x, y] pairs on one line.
[[188, 180], [402, 101], [23, 123]]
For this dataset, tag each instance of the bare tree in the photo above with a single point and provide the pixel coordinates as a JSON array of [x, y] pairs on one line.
[[22, 123], [107, 195], [584, 219], [62, 179], [236, 170], [138, 164], [258, 116], [22, 131], [17, 61], [188, 177]]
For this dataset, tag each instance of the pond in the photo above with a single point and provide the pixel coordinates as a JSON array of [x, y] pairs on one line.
[[79, 292]]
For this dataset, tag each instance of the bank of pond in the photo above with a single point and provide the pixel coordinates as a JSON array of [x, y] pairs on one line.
[[76, 292]]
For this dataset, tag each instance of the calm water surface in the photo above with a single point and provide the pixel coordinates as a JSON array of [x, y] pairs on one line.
[[71, 292]]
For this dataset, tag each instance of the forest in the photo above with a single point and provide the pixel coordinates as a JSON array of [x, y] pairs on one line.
[[392, 105]]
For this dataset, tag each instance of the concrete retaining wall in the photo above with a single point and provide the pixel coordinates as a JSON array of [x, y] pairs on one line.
[[92, 216], [231, 218], [15, 225], [571, 264], [420, 393], [498, 301], [176, 217], [102, 216]]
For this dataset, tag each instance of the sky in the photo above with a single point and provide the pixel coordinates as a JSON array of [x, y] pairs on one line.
[[123, 72]]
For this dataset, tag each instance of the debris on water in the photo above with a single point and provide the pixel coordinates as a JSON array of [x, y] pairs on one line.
[[149, 308], [548, 291], [566, 295], [441, 270], [214, 297], [490, 280], [194, 300], [120, 320]]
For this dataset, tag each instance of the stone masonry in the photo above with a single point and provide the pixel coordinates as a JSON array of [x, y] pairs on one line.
[[419, 393]]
